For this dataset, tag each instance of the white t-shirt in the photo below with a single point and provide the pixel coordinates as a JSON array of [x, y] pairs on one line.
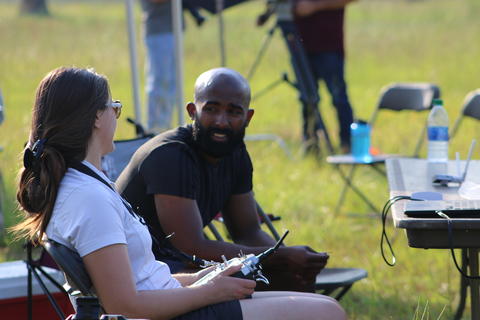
[[89, 216]]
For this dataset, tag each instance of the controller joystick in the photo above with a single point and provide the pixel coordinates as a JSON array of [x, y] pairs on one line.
[[251, 265]]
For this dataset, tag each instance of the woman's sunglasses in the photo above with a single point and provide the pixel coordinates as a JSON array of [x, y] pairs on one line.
[[117, 107]]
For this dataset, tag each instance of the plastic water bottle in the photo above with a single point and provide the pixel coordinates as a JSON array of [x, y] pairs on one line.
[[438, 133], [360, 140]]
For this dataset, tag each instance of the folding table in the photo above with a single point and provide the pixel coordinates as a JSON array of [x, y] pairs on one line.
[[407, 175]]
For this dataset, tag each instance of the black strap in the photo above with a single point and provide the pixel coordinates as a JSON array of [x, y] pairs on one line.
[[164, 246], [88, 171]]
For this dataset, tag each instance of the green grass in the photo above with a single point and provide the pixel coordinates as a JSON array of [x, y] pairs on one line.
[[387, 41]]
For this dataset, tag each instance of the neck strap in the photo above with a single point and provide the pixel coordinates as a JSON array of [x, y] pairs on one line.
[[165, 246]]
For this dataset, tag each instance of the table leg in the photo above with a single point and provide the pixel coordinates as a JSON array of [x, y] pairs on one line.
[[378, 169], [474, 284], [347, 180], [343, 193], [463, 287]]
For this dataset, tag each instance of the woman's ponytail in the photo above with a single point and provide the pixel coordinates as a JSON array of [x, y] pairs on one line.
[[64, 114]]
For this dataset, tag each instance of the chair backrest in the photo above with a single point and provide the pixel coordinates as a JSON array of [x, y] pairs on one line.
[[114, 162], [263, 217], [470, 108], [415, 96], [72, 266], [407, 96]]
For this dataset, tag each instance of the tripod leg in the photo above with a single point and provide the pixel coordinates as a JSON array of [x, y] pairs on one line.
[[261, 53], [267, 89], [314, 129], [306, 85], [322, 131], [310, 138]]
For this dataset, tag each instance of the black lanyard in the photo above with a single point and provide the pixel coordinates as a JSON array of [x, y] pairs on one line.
[[88, 171], [165, 246]]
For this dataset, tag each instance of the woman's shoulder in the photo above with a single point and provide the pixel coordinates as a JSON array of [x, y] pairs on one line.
[[78, 185], [85, 209], [78, 190]]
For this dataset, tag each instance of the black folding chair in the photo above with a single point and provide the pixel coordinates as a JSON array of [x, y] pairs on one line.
[[78, 281], [36, 269], [114, 162], [470, 108], [330, 281], [395, 97]]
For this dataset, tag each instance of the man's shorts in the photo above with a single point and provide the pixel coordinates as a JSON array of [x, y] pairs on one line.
[[230, 310]]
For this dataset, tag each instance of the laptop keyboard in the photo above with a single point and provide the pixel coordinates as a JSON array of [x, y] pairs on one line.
[[453, 208], [462, 205]]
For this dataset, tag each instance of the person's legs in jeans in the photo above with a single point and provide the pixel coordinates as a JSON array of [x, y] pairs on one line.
[[311, 120], [308, 95], [160, 82], [329, 66]]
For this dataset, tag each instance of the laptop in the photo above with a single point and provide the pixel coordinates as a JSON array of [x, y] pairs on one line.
[[452, 208], [445, 179]]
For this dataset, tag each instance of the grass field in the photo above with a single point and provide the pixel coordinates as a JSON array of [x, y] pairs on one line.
[[387, 41]]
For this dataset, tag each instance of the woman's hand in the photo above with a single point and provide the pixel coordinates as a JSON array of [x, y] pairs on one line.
[[202, 273], [225, 288]]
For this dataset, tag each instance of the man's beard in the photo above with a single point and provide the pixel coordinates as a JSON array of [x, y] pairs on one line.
[[216, 149]]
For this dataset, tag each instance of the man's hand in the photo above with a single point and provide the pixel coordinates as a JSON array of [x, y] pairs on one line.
[[300, 258], [294, 268], [226, 288]]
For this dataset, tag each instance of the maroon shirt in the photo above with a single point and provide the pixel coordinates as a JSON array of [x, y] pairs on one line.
[[322, 31]]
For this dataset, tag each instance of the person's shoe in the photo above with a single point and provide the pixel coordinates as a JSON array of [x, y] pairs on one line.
[[311, 148]]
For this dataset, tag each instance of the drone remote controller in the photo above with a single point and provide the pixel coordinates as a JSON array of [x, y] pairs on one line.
[[251, 265]]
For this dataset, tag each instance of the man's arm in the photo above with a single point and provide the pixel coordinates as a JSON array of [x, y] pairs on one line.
[[242, 221], [181, 216], [305, 8]]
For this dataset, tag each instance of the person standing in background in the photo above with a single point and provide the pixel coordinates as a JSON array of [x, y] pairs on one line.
[[321, 28], [160, 63]]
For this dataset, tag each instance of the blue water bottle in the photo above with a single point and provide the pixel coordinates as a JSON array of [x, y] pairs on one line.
[[360, 140]]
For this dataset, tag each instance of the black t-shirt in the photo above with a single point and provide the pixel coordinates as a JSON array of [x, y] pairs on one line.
[[170, 164]]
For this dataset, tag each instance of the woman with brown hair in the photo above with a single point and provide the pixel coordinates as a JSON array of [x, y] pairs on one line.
[[67, 198]]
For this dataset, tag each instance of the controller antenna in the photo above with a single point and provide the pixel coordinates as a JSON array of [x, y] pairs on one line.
[[262, 256]]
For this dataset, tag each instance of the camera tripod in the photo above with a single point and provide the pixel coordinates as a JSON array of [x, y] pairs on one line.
[[305, 84]]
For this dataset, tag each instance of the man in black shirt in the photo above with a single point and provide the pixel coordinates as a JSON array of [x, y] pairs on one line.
[[182, 178]]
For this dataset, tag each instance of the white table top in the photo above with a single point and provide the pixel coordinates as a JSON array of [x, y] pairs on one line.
[[409, 175]]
